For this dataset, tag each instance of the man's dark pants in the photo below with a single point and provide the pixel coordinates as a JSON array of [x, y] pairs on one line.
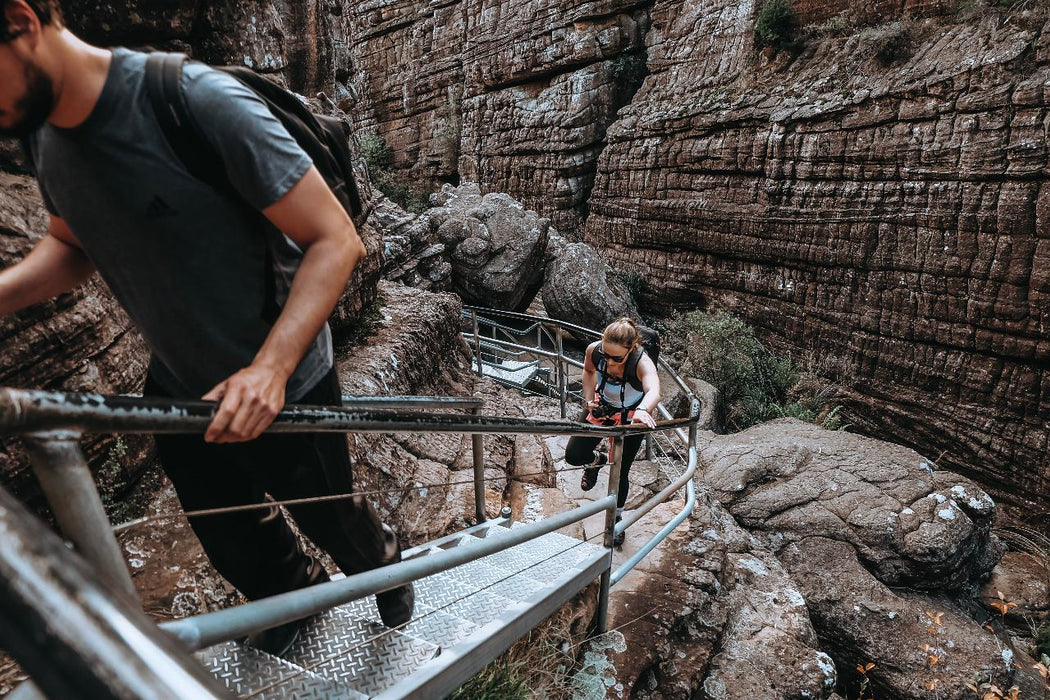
[[257, 550]]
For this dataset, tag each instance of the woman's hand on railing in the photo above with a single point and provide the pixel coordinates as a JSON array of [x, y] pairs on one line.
[[642, 416]]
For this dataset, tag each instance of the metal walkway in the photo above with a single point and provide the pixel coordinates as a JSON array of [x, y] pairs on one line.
[[348, 653], [73, 621]]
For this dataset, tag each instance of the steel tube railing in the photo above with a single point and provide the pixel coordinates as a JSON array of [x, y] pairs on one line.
[[477, 341], [690, 503], [77, 635], [232, 623], [66, 481], [639, 512], [24, 411], [477, 449], [610, 521], [500, 313], [560, 346], [659, 537]]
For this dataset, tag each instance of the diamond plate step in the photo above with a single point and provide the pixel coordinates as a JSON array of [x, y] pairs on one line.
[[363, 655], [543, 559], [248, 672]]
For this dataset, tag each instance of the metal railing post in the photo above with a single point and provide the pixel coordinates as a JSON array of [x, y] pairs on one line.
[[610, 525], [70, 489], [561, 371], [477, 448], [75, 633], [477, 341]]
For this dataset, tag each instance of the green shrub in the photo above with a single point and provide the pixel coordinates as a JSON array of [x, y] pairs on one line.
[[756, 385], [497, 681], [379, 157], [633, 283], [776, 24], [1042, 639]]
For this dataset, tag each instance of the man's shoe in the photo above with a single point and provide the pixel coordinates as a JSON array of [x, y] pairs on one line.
[[395, 606], [276, 640], [618, 539]]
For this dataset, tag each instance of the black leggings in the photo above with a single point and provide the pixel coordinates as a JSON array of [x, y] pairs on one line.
[[580, 451], [256, 550]]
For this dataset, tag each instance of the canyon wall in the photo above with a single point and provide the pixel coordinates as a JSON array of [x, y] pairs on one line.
[[876, 205], [873, 200], [514, 95]]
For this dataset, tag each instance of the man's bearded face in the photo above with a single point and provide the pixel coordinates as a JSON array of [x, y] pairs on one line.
[[26, 101]]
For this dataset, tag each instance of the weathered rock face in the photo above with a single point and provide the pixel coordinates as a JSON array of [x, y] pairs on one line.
[[514, 95], [885, 551], [891, 217], [304, 44], [496, 247], [711, 613], [921, 647], [910, 523], [579, 287], [79, 342]]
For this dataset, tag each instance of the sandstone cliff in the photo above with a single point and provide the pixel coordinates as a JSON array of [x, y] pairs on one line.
[[883, 213], [873, 202]]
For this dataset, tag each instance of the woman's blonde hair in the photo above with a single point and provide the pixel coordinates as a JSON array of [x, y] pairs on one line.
[[623, 332]]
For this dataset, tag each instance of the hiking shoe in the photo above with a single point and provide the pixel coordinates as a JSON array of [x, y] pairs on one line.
[[395, 606], [618, 539], [590, 474], [276, 641]]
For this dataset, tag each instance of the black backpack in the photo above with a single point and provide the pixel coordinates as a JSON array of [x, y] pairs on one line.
[[650, 346], [325, 139]]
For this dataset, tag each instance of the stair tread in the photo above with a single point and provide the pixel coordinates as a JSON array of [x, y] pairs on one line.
[[247, 671], [365, 655]]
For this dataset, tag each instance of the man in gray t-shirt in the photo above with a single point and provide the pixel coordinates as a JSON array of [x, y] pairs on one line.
[[198, 270]]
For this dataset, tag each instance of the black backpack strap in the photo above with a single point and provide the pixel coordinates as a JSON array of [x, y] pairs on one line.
[[164, 87], [630, 370]]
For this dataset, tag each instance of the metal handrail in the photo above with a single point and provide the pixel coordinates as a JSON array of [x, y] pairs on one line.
[[27, 411], [71, 628], [688, 439]]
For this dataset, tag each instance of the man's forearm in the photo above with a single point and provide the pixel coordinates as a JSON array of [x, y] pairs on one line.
[[52, 268], [318, 284]]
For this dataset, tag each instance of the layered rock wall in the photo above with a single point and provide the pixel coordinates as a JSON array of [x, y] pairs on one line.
[[516, 96], [885, 213]]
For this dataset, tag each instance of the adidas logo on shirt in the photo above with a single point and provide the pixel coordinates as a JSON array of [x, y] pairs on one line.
[[158, 208]]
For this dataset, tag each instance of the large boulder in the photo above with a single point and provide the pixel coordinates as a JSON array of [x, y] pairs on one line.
[[495, 245], [909, 522], [412, 254], [581, 288], [920, 646], [710, 613]]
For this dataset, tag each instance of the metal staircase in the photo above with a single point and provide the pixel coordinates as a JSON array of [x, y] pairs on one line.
[[346, 652], [72, 621]]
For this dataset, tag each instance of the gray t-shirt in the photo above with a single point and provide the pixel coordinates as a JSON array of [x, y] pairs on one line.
[[186, 261]]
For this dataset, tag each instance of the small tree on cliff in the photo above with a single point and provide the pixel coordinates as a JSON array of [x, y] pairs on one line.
[[776, 24]]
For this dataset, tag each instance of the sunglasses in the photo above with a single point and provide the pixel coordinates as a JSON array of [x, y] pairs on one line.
[[613, 358]]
